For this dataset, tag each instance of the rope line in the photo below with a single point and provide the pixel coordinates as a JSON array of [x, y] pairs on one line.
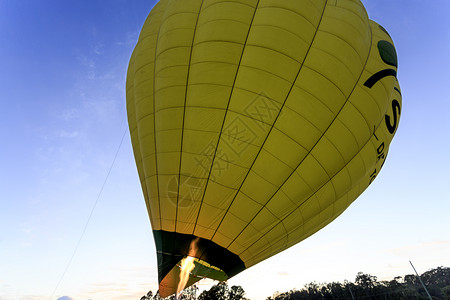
[[90, 214]]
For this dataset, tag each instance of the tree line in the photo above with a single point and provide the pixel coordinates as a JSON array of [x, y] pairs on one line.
[[220, 291], [365, 287], [409, 287]]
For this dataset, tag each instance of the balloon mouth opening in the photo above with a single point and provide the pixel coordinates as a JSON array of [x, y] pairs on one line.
[[207, 260], [186, 272]]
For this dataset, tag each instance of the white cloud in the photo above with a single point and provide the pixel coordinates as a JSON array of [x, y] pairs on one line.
[[98, 48], [67, 134], [69, 114], [131, 39]]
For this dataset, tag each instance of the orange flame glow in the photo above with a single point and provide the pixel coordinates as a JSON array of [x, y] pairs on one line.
[[187, 265]]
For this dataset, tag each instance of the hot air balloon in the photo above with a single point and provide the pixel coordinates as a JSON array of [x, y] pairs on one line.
[[254, 124]]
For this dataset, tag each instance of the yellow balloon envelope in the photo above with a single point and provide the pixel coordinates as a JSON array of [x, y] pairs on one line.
[[254, 124]]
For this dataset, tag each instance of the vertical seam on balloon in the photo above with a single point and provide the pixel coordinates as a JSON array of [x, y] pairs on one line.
[[319, 188], [270, 130], [143, 182], [129, 104], [362, 72], [289, 10], [362, 116], [184, 111], [154, 113], [224, 118], [342, 156], [336, 118], [320, 139]]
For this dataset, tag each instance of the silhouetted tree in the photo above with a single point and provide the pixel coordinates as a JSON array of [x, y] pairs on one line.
[[149, 296], [221, 291], [216, 292], [368, 287], [446, 292], [336, 290], [365, 287], [236, 293], [187, 294]]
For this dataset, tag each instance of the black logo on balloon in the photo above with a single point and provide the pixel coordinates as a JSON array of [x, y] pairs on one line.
[[389, 56]]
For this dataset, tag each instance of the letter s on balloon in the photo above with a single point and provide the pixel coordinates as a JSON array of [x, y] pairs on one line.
[[396, 109]]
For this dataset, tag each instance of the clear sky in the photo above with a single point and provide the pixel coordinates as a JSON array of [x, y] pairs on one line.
[[62, 119]]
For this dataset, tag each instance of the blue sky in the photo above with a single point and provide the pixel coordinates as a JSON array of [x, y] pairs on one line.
[[62, 119]]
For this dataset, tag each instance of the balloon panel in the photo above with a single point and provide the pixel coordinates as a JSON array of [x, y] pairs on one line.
[[254, 124]]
